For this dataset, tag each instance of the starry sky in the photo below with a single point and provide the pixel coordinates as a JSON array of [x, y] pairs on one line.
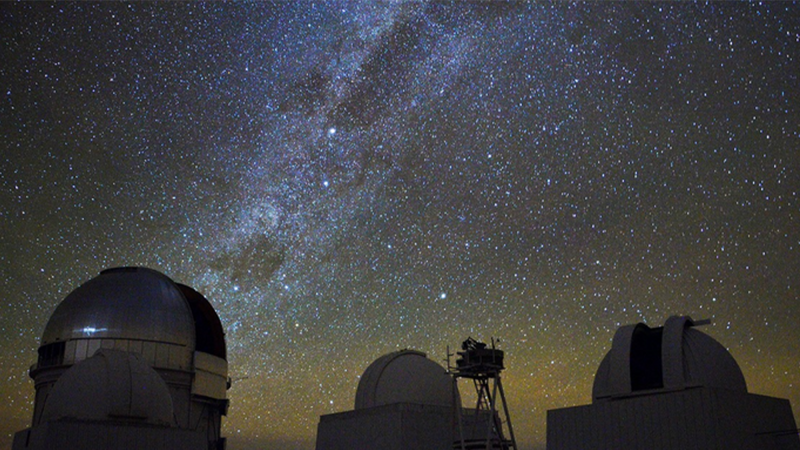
[[346, 179]]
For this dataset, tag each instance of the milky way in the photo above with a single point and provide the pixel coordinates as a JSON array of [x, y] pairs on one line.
[[346, 179]]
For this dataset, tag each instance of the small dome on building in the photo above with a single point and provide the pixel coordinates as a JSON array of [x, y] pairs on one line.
[[405, 376], [124, 303], [111, 385], [674, 356]]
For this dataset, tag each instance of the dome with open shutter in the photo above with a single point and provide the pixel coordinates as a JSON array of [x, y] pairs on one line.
[[675, 356]]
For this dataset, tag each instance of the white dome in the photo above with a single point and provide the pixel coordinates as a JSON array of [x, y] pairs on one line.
[[111, 385], [674, 356], [404, 376]]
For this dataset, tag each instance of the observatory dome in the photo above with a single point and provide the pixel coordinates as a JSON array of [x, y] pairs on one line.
[[405, 376], [128, 308], [124, 303], [111, 385], [674, 356]]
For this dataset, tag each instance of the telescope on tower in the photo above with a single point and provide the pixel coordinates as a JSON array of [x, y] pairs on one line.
[[488, 429]]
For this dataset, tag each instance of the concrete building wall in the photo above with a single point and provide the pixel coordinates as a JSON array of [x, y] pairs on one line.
[[398, 426], [698, 418]]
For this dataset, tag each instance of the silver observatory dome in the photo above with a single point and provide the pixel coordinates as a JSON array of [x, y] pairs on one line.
[[129, 308], [123, 303]]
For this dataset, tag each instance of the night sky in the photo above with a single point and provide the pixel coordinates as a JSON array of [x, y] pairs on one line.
[[342, 180]]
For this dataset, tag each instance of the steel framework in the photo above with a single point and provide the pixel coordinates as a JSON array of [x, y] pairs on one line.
[[483, 366]]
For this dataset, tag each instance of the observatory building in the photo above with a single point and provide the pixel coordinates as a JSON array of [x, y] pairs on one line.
[[405, 401], [129, 360], [672, 387]]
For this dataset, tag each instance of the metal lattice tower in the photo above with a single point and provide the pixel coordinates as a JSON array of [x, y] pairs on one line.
[[482, 365]]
